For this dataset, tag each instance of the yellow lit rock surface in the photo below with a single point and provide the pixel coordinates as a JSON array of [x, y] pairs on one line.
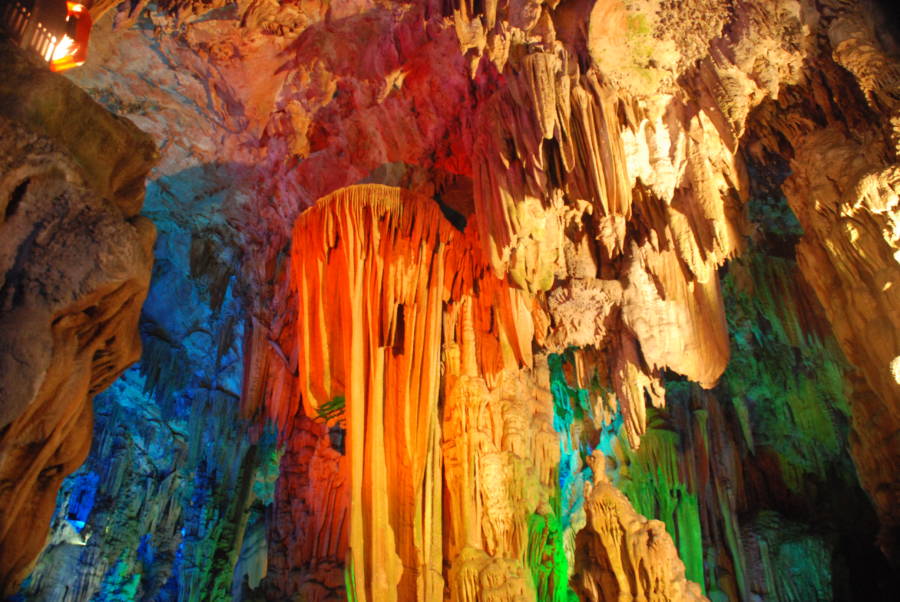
[[619, 544], [76, 271]]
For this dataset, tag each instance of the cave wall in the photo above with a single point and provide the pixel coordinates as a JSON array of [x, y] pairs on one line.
[[76, 260], [175, 491], [842, 188], [517, 286]]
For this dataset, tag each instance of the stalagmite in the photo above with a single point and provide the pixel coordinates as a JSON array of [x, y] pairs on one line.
[[622, 555]]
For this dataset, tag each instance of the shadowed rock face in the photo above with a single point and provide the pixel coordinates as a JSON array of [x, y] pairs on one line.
[[75, 270], [839, 131]]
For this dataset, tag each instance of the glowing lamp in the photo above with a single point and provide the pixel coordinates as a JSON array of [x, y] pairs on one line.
[[71, 50]]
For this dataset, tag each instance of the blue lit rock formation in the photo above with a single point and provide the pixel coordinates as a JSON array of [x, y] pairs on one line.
[[176, 477]]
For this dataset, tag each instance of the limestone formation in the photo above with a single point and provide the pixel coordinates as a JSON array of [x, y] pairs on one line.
[[369, 273], [76, 267], [622, 555], [76, 272], [843, 189], [545, 299]]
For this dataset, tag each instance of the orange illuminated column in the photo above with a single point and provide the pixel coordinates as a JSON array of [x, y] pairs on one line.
[[368, 267]]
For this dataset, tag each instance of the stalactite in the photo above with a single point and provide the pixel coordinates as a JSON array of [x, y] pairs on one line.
[[512, 486], [695, 469], [452, 395], [369, 270]]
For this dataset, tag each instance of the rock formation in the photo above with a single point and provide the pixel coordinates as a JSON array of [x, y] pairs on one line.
[[839, 130], [540, 300], [624, 555], [76, 260]]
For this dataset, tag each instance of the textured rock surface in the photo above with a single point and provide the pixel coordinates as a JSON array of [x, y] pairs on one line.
[[487, 254], [849, 208], [112, 155], [619, 544], [840, 133], [76, 268]]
